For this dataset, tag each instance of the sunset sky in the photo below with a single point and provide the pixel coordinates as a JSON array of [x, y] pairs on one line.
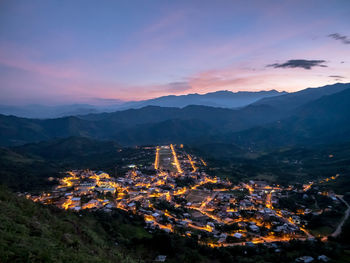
[[54, 52]]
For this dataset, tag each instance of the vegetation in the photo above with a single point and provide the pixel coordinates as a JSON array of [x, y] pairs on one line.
[[32, 233], [28, 167], [285, 165]]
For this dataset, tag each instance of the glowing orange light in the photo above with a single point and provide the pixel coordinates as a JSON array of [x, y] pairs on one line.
[[177, 163]]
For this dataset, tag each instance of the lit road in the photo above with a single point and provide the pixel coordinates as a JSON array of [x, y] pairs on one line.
[[176, 161], [156, 162]]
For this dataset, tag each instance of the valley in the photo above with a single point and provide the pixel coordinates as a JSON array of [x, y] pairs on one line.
[[175, 194]]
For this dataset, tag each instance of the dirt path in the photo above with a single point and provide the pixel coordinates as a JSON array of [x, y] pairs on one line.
[[347, 213]]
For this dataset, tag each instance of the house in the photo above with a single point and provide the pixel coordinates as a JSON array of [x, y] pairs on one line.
[[184, 223], [211, 224], [75, 201], [102, 174], [238, 235], [254, 228], [323, 258], [221, 240], [160, 258], [76, 208], [156, 214], [92, 204], [109, 206], [105, 190], [305, 259]]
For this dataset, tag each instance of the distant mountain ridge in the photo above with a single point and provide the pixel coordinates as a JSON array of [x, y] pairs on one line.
[[47, 112], [223, 99], [294, 100]]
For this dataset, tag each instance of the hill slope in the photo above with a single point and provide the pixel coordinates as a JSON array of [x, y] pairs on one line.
[[132, 126], [291, 101], [16, 131], [29, 166], [324, 120], [67, 148], [30, 232]]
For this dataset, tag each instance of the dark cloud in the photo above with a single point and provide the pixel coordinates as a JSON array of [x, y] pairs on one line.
[[337, 77], [344, 39], [299, 63]]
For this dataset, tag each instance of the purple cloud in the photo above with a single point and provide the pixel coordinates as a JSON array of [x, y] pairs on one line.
[[299, 63]]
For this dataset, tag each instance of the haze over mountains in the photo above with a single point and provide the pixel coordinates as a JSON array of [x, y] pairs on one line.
[[307, 116], [223, 99], [44, 111]]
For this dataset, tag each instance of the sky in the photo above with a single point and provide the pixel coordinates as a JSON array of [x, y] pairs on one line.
[[87, 51]]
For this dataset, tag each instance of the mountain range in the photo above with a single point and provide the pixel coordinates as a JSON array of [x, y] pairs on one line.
[[223, 99], [324, 120], [308, 116], [294, 100]]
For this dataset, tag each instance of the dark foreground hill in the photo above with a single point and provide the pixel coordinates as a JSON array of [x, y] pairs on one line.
[[30, 232]]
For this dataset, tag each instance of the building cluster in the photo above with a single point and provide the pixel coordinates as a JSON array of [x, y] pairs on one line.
[[181, 197], [81, 189]]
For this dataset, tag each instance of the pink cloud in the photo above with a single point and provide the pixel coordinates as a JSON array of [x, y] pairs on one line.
[[28, 60]]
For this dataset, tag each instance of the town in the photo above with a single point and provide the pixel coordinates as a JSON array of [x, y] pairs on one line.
[[175, 194]]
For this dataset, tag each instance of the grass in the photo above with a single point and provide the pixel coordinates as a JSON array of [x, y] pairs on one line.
[[322, 231], [165, 164], [265, 177]]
